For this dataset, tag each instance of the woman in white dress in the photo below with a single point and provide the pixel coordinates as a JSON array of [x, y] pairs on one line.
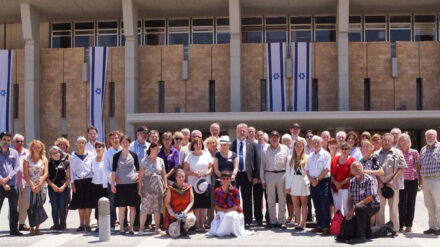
[[297, 184], [229, 218]]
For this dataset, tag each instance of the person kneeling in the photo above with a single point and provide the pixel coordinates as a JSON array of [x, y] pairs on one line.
[[229, 219], [363, 203], [179, 199]]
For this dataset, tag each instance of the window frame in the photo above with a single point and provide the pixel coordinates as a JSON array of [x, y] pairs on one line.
[[275, 27], [253, 28], [367, 28], [107, 29], [315, 28], [361, 28], [169, 30], [292, 27], [410, 23], [217, 27], [85, 35], [195, 31], [57, 35]]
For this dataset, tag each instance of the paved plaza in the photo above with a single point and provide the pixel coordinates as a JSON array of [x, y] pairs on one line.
[[262, 237]]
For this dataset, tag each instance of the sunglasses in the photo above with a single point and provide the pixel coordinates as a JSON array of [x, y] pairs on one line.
[[225, 178], [309, 137], [345, 149], [99, 147], [178, 139], [19, 141]]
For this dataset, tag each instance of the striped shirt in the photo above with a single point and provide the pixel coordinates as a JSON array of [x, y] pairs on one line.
[[411, 157], [430, 161]]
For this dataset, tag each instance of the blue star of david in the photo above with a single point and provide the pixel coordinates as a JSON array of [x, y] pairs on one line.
[[302, 76], [276, 76], [98, 91], [3, 93]]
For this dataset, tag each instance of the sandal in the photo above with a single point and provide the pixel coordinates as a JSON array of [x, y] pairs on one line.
[[88, 229], [80, 229]]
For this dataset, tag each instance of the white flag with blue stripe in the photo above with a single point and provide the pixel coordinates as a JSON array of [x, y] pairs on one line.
[[5, 89], [98, 69], [276, 84], [302, 76]]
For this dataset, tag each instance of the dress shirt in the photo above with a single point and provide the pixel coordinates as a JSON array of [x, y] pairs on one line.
[[99, 173], [108, 162], [318, 162], [139, 149], [430, 161], [9, 165], [244, 153], [273, 159], [21, 182], [80, 169], [391, 161]]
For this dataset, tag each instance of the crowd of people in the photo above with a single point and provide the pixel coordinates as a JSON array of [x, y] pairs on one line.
[[189, 184]]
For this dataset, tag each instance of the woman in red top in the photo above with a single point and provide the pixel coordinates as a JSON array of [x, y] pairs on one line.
[[340, 177]]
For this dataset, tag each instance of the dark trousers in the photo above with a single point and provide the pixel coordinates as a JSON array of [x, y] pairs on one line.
[[111, 198], [245, 186], [407, 203], [12, 196], [99, 192], [58, 204], [321, 202], [363, 216], [257, 192], [309, 207]]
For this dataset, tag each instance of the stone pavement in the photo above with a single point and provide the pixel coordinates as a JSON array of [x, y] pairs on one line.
[[262, 237]]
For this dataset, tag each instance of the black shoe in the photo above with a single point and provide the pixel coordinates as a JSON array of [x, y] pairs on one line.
[[390, 228], [247, 226], [269, 226], [16, 233], [23, 227], [429, 231], [357, 240], [54, 228], [96, 230], [259, 223], [437, 232]]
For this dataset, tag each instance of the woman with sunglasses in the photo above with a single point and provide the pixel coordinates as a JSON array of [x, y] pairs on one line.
[[170, 156], [340, 178], [99, 179], [229, 218]]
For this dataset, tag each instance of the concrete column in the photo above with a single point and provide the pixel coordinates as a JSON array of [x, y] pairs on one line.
[[30, 20], [235, 54], [342, 40], [129, 11]]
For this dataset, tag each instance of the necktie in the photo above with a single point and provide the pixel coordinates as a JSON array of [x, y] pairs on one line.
[[240, 161]]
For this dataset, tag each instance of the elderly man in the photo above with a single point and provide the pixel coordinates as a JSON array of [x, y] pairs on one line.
[[252, 134], [363, 202], [396, 132], [9, 164], [394, 165], [140, 145], [248, 168], [295, 130], [318, 172], [430, 174], [18, 143], [257, 189], [273, 169], [340, 137]]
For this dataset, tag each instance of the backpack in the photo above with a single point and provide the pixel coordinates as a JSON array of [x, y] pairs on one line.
[[335, 225], [347, 230]]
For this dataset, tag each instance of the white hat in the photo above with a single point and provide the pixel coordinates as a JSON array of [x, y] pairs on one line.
[[224, 140], [201, 186], [174, 229]]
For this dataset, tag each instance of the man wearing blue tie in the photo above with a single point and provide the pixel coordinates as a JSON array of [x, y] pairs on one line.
[[248, 168]]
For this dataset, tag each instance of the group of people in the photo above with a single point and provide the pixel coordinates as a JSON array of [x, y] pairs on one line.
[[187, 183]]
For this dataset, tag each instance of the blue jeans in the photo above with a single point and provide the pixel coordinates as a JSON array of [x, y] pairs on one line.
[[58, 203], [12, 196], [321, 202]]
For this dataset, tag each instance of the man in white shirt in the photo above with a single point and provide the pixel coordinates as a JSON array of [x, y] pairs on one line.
[[318, 172], [18, 142], [92, 136]]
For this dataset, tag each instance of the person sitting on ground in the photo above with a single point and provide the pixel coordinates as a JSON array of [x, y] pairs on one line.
[[229, 218]]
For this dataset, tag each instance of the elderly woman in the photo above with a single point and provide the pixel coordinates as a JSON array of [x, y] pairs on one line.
[[366, 136], [170, 156], [64, 144], [198, 168], [340, 178], [178, 144], [35, 172], [125, 166], [179, 200], [229, 218], [297, 184], [325, 135], [225, 160], [58, 181], [151, 186], [407, 196], [352, 140], [286, 139], [81, 183], [376, 139]]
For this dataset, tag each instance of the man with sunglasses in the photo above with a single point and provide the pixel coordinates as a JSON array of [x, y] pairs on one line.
[[18, 143], [309, 148]]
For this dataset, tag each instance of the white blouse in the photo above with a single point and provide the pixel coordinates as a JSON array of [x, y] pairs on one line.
[[80, 169]]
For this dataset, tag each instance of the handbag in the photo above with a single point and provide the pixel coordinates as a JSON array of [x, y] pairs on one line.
[[335, 225], [347, 230], [36, 212]]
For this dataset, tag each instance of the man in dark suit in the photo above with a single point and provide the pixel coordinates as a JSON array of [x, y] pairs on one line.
[[248, 168]]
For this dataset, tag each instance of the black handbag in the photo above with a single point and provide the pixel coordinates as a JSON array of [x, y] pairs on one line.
[[36, 212], [348, 230]]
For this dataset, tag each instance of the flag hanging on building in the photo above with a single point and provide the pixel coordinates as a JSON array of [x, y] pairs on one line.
[[302, 77], [98, 70], [5, 89], [276, 93]]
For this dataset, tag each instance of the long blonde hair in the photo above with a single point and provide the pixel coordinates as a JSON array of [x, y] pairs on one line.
[[42, 153], [298, 160]]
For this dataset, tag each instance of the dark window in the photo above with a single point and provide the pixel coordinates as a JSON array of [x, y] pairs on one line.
[[419, 92], [84, 25], [354, 19], [424, 18], [223, 21], [178, 23], [301, 20], [211, 96], [276, 20], [61, 26], [397, 19], [325, 19], [367, 94], [315, 95], [263, 95], [112, 98], [155, 23], [16, 91], [375, 19], [161, 96], [203, 22], [63, 100], [252, 21]]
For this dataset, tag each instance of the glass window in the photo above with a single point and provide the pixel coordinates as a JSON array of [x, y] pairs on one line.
[[122, 41], [355, 29], [203, 31], [276, 28], [108, 33], [61, 35], [178, 32], [301, 29], [400, 28], [252, 30], [375, 28], [325, 28], [424, 28], [84, 34], [223, 36], [154, 32]]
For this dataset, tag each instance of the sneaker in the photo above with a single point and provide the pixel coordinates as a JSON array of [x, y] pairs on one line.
[[429, 231]]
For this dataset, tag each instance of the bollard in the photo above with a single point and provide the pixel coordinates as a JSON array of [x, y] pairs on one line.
[[104, 219]]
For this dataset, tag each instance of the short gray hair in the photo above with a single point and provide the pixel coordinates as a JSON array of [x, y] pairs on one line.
[[401, 137], [316, 138], [341, 133], [431, 131], [242, 125], [286, 136], [196, 132], [16, 136], [185, 130]]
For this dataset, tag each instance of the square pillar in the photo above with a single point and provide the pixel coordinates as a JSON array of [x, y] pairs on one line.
[[235, 54], [342, 43]]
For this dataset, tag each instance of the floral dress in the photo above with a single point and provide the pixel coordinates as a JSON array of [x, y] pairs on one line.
[[153, 187]]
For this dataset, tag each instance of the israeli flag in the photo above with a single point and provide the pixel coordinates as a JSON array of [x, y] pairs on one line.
[[276, 92], [5, 89], [98, 70], [302, 79]]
